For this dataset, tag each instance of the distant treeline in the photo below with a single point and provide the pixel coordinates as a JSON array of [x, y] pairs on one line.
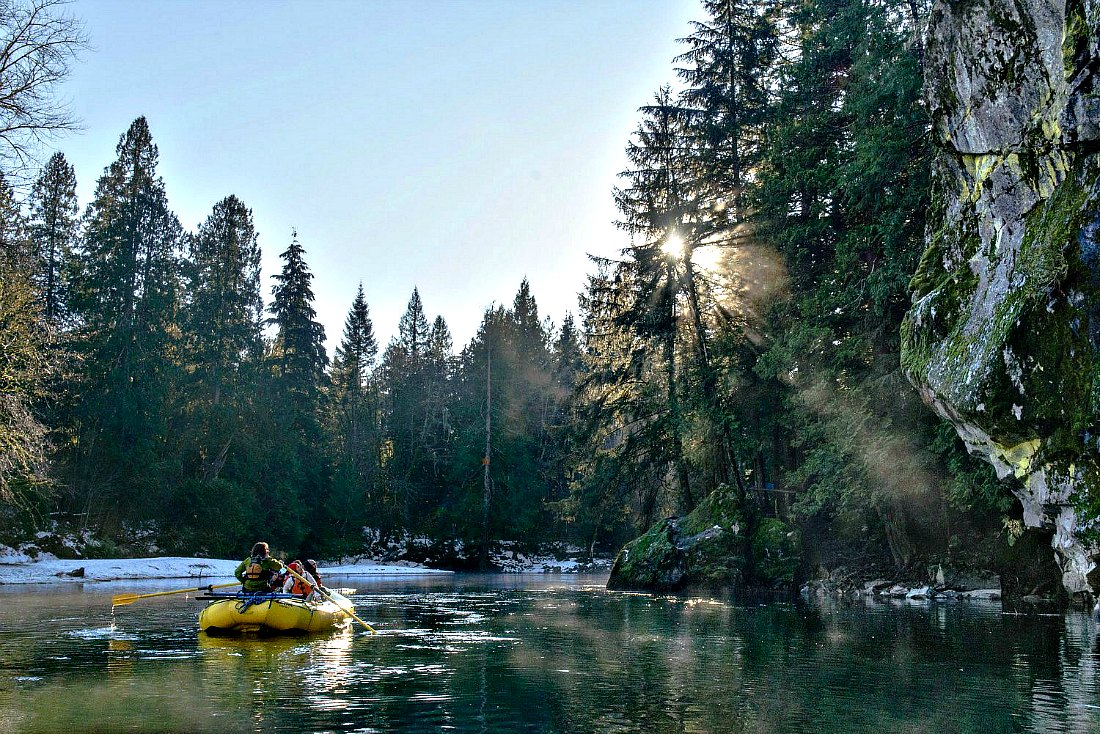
[[157, 404], [749, 337]]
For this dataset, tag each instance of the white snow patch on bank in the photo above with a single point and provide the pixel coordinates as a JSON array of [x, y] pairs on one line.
[[17, 568]]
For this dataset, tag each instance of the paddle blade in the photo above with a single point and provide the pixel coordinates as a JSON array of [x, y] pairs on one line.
[[121, 600]]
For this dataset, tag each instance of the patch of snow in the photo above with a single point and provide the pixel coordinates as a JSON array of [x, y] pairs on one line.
[[13, 555], [15, 569]]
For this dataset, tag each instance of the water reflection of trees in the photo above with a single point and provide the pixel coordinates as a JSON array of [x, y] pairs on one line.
[[639, 663], [569, 660]]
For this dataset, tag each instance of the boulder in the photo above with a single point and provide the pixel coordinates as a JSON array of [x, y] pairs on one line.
[[709, 549], [945, 577]]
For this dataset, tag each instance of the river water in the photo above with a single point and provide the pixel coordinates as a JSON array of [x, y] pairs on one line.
[[543, 654]]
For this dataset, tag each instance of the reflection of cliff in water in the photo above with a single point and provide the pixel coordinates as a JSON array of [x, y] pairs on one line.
[[1060, 676], [695, 665]]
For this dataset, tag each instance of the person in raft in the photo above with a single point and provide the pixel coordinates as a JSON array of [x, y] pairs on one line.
[[257, 572], [311, 566], [296, 586]]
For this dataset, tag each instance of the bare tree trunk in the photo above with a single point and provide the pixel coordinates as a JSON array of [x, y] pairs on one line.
[[678, 465], [486, 492]]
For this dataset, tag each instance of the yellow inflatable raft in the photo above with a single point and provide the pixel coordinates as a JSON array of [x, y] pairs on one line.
[[272, 613]]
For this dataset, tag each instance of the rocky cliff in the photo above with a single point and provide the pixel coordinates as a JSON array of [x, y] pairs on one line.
[[1003, 335]]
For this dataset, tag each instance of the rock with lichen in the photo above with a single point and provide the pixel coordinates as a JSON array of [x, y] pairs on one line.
[[1003, 335], [711, 549]]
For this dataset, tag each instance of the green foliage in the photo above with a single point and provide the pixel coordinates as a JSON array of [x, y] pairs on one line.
[[53, 229], [971, 485], [217, 518], [126, 296], [775, 552], [24, 367]]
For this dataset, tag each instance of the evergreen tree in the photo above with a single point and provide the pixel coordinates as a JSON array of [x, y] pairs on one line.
[[297, 481], [413, 331], [222, 328], [405, 367], [440, 347], [125, 295], [658, 205], [300, 357], [353, 425], [54, 222], [357, 350], [727, 62], [436, 430]]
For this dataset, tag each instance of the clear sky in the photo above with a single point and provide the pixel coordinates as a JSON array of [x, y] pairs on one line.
[[453, 145]]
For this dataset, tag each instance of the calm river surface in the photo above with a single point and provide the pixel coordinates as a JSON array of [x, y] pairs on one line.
[[543, 654]]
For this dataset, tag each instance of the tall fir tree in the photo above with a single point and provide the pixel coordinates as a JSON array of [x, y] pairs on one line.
[[406, 375], [54, 227], [726, 71], [125, 295], [300, 357], [297, 484], [354, 428], [222, 329], [357, 350], [658, 208]]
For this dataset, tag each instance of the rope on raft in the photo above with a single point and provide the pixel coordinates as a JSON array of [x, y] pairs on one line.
[[248, 599]]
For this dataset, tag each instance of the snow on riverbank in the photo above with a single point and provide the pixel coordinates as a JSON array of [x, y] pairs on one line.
[[16, 568]]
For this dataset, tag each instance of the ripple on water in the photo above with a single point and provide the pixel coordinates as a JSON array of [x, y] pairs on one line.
[[101, 633]]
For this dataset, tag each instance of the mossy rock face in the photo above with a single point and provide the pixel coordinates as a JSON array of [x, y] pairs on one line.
[[708, 549], [1003, 338], [776, 551]]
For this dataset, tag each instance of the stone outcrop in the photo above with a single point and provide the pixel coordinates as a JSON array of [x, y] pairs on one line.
[[1003, 335], [710, 549]]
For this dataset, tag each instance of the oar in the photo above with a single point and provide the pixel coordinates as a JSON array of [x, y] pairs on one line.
[[322, 592], [121, 600]]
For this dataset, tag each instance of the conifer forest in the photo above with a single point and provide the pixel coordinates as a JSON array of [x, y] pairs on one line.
[[154, 392]]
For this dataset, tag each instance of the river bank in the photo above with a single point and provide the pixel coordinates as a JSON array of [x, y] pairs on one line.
[[17, 566]]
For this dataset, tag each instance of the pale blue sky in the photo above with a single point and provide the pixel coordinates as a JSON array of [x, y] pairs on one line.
[[456, 146]]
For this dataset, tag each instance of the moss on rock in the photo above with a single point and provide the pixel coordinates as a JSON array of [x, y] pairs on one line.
[[709, 549], [1003, 338]]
